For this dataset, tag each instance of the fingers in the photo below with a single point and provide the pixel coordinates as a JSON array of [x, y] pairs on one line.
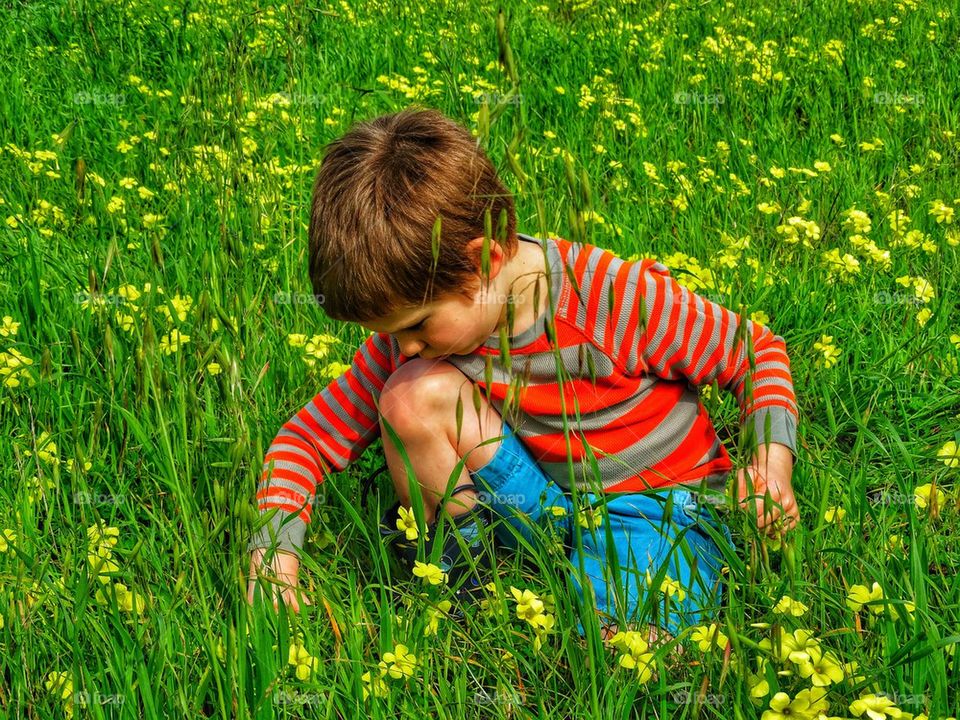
[[282, 586]]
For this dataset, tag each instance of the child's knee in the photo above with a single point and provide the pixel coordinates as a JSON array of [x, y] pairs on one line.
[[417, 389]]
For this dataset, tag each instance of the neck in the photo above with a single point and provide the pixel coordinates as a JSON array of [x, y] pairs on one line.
[[528, 273]]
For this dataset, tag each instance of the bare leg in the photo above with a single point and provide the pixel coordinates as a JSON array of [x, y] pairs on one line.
[[419, 401]]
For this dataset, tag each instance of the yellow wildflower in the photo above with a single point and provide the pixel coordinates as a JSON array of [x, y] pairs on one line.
[[834, 514], [788, 605], [860, 596], [171, 342], [949, 454], [9, 327], [926, 496], [707, 636], [302, 660], [429, 572], [400, 663]]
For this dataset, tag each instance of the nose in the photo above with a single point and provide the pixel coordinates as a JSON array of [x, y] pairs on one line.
[[411, 347]]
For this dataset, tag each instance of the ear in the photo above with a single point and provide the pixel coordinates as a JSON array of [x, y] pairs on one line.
[[498, 257]]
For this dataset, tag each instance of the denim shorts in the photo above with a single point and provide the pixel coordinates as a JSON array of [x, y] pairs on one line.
[[643, 540]]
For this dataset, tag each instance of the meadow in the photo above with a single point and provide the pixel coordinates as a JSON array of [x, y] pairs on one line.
[[797, 163]]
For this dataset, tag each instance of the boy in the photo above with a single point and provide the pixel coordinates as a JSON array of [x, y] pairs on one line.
[[452, 312]]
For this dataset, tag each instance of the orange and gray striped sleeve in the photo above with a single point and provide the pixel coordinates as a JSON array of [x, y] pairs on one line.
[[684, 335], [325, 436]]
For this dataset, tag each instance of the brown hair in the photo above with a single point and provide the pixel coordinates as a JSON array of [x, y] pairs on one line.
[[376, 197]]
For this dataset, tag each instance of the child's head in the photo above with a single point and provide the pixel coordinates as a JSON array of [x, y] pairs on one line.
[[376, 199]]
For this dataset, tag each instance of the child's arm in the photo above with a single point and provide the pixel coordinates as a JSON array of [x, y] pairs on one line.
[[329, 433], [684, 335]]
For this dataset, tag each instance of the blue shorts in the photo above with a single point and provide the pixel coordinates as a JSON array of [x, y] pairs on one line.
[[514, 486]]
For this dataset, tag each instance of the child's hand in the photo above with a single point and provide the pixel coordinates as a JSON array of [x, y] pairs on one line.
[[286, 567], [770, 472]]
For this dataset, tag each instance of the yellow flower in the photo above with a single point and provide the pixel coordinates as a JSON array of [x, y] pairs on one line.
[[102, 565], [100, 534], [858, 222], [182, 306], [706, 637], [302, 660], [374, 685], [9, 327], [838, 139], [429, 572], [126, 601], [949, 454], [296, 340], [782, 708], [125, 322], [769, 208], [590, 518], [86, 465], [822, 668], [214, 368], [6, 537], [60, 684], [941, 212], [529, 606], [399, 663], [670, 587], [796, 646], [877, 707], [788, 605], [635, 655], [759, 686], [834, 514], [408, 523], [316, 348], [860, 596], [822, 166], [335, 369], [171, 342], [46, 449], [923, 496], [13, 367], [828, 349], [434, 615]]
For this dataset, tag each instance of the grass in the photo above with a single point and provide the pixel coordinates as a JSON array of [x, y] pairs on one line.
[[94, 92]]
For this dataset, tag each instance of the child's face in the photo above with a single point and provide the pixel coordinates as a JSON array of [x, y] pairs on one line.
[[452, 324]]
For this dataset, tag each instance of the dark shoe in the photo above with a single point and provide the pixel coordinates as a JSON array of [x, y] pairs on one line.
[[452, 561]]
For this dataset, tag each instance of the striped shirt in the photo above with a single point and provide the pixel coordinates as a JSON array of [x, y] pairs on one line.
[[627, 344]]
